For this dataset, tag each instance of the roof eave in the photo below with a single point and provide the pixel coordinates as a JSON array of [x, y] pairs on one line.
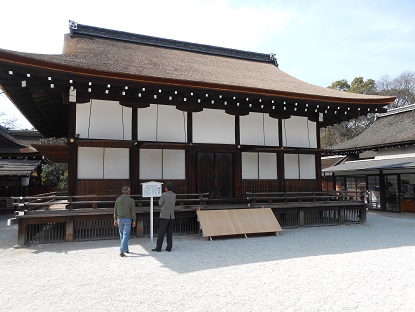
[[20, 60]]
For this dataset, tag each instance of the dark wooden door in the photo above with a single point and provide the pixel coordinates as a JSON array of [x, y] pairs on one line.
[[215, 174]]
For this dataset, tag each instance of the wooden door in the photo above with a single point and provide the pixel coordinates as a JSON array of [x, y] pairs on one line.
[[215, 174]]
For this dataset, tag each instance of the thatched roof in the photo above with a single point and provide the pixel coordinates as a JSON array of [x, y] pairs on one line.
[[17, 167], [181, 63], [104, 56], [394, 128]]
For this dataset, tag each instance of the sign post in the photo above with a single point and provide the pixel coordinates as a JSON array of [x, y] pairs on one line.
[[151, 189]]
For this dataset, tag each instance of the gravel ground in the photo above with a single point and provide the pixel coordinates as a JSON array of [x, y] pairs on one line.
[[368, 267]]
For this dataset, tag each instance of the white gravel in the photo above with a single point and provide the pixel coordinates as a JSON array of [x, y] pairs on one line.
[[367, 267]]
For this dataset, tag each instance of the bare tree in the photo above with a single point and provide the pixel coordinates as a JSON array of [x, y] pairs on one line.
[[7, 122], [403, 87]]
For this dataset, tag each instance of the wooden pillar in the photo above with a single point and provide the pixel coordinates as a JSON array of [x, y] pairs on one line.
[[72, 167], [280, 159], [190, 155], [134, 169], [190, 170], [21, 233], [189, 127], [280, 172], [363, 214], [318, 159], [72, 151], [238, 174], [140, 227], [69, 230], [341, 215], [382, 186], [134, 154], [318, 172], [134, 124], [301, 220], [237, 159]]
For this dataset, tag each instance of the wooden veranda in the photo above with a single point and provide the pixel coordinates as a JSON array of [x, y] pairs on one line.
[[56, 218]]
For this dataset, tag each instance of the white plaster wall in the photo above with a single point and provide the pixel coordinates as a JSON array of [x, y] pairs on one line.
[[299, 132], [267, 166], [116, 163], [259, 129], [174, 164], [307, 166], [90, 163], [259, 166], [162, 123], [213, 126], [103, 163], [162, 164], [291, 166], [101, 119], [151, 164], [249, 166]]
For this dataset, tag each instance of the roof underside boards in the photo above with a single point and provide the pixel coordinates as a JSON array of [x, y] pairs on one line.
[[101, 63], [327, 162], [391, 129], [11, 147], [17, 167], [374, 164], [54, 153]]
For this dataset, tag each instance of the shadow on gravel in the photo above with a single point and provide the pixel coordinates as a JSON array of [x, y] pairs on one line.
[[193, 253]]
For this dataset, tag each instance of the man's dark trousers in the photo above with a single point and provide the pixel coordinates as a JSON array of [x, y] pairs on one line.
[[165, 226]]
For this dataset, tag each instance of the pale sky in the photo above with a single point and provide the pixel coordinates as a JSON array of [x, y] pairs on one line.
[[317, 41]]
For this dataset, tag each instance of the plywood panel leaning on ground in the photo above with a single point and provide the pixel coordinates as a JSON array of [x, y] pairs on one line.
[[237, 222]]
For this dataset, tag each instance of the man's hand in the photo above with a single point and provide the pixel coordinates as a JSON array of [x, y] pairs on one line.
[[115, 223], [133, 224]]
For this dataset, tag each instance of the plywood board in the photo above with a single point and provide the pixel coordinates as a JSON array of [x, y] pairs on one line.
[[237, 221]]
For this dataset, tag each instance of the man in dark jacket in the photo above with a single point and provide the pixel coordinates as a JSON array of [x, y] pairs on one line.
[[167, 202]]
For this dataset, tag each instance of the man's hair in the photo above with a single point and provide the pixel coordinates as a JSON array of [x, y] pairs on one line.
[[125, 189], [169, 186]]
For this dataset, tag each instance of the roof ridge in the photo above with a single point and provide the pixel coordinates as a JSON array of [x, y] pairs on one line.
[[79, 29], [398, 110]]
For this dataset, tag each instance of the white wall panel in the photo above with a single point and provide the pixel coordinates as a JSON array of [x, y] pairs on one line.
[[249, 166], [312, 133], [101, 119], [90, 163], [116, 163], [151, 164], [162, 123], [251, 129], [267, 166], [147, 123], [307, 166], [82, 119], [174, 164], [213, 126], [291, 166], [259, 129], [299, 132]]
